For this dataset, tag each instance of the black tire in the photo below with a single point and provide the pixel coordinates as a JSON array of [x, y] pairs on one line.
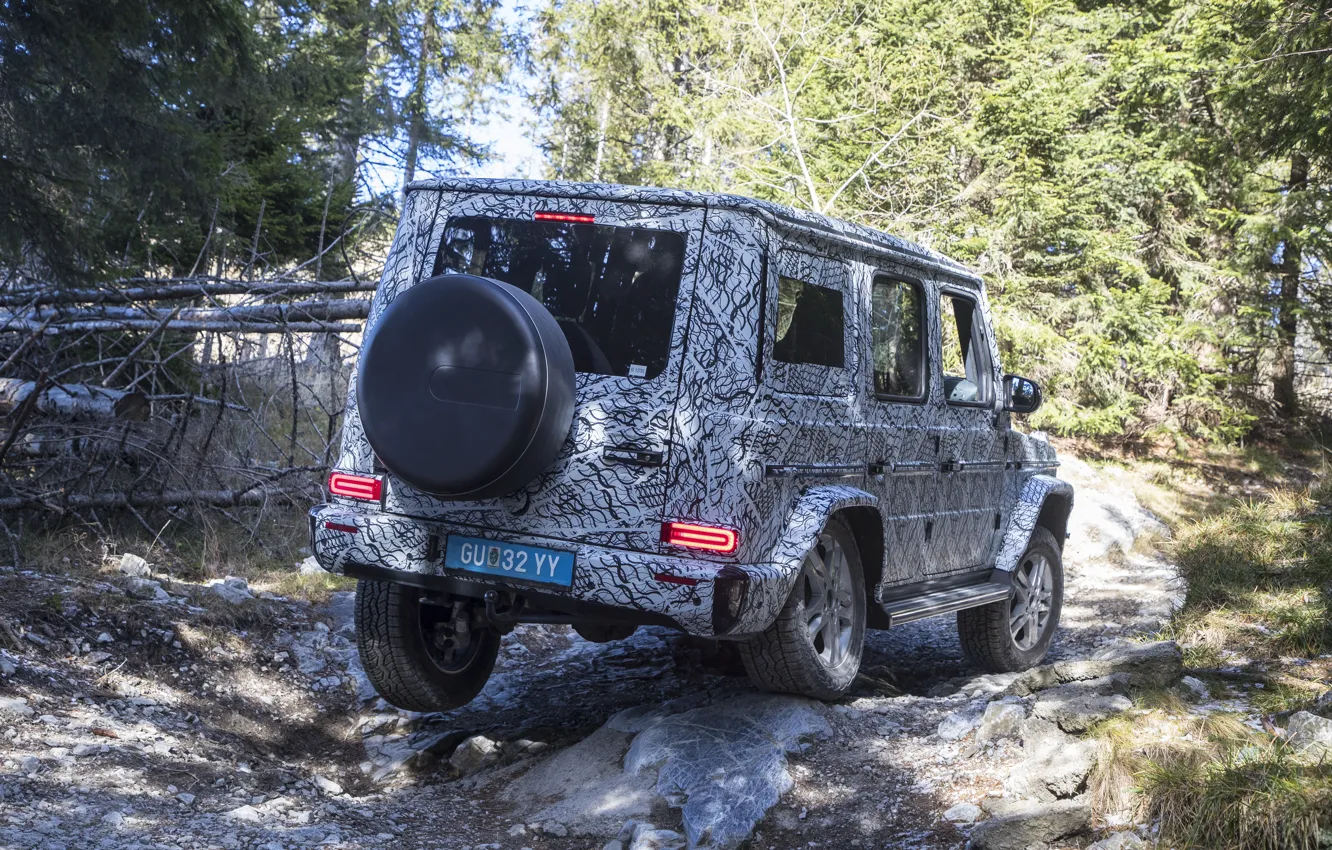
[[784, 657], [391, 626], [986, 635]]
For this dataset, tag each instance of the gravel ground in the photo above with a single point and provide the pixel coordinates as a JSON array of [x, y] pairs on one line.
[[200, 717]]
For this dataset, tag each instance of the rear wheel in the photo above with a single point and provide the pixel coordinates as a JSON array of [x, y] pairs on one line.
[[421, 657], [1014, 635], [815, 644]]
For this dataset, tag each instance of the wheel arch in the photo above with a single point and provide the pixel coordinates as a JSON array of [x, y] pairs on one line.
[[1045, 501], [812, 509]]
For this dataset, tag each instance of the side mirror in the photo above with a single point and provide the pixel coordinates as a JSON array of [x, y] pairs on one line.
[[1021, 395]]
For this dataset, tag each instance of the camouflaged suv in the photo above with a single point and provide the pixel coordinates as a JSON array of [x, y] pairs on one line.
[[610, 406]]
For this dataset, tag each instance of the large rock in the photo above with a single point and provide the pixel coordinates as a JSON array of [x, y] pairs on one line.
[[142, 588], [233, 589], [1057, 764], [727, 762], [476, 753], [1021, 827], [1310, 735], [959, 724], [1146, 665], [1001, 720], [133, 565], [1078, 706], [1055, 774], [586, 787]]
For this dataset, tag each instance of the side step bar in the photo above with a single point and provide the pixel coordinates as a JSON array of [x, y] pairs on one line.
[[946, 601]]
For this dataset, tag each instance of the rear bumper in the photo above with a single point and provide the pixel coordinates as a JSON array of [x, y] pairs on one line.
[[700, 597]]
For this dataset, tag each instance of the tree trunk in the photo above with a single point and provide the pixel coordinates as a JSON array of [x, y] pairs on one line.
[[1284, 393], [76, 400]]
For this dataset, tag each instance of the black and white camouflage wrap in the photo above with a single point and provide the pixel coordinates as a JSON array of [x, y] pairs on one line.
[[768, 448]]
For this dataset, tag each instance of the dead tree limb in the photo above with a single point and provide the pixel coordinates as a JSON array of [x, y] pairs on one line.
[[73, 400], [164, 498], [169, 289]]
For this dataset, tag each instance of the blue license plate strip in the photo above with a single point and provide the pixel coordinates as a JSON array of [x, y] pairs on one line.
[[509, 560]]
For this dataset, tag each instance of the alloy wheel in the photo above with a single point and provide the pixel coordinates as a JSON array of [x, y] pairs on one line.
[[1033, 593], [829, 606]]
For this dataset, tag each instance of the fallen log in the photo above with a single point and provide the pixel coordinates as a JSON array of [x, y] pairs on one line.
[[178, 288], [168, 498], [99, 325], [74, 400], [295, 311]]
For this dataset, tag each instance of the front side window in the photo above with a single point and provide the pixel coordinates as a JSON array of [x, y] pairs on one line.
[[810, 324], [964, 357], [896, 338], [612, 289]]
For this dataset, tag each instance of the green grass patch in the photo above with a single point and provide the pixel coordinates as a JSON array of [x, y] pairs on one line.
[[1258, 577], [1250, 796]]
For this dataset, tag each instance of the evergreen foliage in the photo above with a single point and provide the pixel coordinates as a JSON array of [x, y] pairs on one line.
[[1143, 183]]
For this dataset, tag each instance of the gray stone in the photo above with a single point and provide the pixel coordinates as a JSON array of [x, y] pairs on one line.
[[959, 724], [474, 754], [648, 837], [17, 706], [247, 813], [1196, 689], [586, 787], [555, 828], [1147, 665], [1000, 720], [142, 588], [326, 785], [133, 565], [964, 813], [1057, 764], [1120, 841], [97, 657], [105, 637], [232, 588], [186, 797], [7, 665], [727, 762], [1311, 735], [113, 819], [1078, 706], [1021, 827], [613, 844], [310, 567]]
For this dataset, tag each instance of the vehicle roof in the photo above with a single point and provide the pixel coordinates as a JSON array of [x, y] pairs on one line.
[[776, 213]]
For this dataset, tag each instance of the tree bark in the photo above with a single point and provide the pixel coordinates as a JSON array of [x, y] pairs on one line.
[[173, 289], [1284, 393], [74, 400]]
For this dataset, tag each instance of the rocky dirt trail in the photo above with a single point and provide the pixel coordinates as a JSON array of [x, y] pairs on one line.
[[139, 711]]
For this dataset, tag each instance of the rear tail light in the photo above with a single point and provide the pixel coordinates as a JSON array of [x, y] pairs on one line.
[[572, 218], [709, 538], [366, 488]]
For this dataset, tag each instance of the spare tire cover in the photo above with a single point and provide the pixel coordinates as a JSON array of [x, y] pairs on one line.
[[466, 387]]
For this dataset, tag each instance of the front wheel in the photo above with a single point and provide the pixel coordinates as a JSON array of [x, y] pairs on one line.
[[421, 657], [815, 644], [1015, 635]]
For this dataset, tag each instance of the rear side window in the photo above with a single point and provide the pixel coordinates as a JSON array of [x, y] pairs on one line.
[[612, 289], [897, 339], [810, 324]]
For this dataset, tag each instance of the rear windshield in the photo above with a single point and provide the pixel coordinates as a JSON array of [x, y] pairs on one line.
[[612, 289]]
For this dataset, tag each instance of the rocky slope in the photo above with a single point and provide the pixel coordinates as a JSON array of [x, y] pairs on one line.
[[140, 711]]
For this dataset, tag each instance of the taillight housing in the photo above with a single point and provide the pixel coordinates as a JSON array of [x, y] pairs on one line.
[[706, 538], [365, 488]]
